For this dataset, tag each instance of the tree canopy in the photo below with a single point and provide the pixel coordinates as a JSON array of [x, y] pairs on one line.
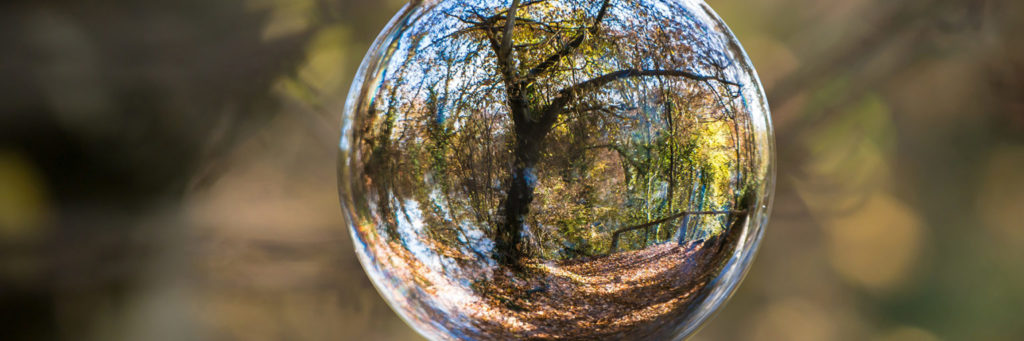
[[554, 129]]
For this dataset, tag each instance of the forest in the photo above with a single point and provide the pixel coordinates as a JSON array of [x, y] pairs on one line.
[[555, 168], [534, 131]]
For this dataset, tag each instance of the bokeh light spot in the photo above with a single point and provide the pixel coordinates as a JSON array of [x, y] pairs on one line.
[[877, 245], [23, 201]]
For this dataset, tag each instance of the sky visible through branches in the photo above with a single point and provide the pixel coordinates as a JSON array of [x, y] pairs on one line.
[[496, 147]]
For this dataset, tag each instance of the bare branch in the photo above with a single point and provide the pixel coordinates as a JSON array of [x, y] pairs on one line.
[[575, 43], [603, 80], [546, 26], [463, 20], [619, 232], [569, 94], [523, 5]]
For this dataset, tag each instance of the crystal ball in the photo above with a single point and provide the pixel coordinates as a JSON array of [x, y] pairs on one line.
[[556, 169]]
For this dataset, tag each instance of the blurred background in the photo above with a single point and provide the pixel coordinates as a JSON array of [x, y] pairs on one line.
[[167, 171]]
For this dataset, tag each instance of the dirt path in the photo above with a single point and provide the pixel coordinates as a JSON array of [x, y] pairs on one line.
[[637, 294]]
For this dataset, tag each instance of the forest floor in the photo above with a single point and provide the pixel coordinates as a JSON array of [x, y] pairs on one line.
[[636, 294]]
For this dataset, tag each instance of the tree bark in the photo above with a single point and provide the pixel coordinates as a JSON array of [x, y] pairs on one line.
[[508, 239]]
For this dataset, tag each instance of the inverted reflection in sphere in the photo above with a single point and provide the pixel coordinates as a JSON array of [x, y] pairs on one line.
[[571, 169]]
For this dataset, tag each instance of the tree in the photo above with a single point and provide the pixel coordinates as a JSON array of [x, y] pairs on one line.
[[486, 108]]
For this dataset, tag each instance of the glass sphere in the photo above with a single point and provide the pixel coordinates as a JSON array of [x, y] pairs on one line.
[[563, 169]]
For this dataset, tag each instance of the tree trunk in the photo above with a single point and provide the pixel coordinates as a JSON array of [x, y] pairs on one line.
[[508, 237]]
